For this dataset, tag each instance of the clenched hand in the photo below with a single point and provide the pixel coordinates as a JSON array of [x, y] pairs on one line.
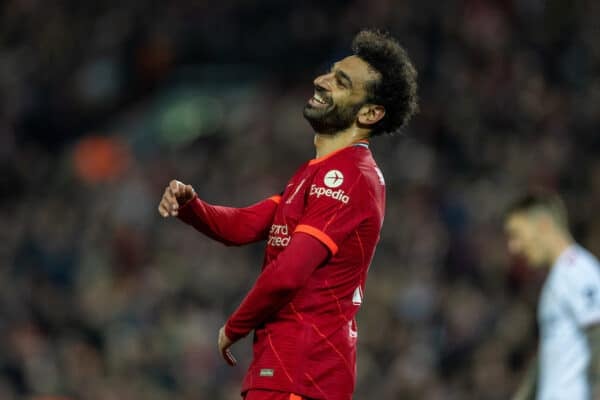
[[176, 195]]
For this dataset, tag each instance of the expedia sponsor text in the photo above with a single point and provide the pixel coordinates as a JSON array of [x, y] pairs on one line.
[[334, 194]]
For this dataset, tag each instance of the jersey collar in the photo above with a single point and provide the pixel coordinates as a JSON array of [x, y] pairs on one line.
[[568, 255], [361, 143]]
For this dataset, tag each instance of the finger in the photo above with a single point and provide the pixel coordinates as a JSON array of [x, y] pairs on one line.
[[173, 204], [229, 358], [174, 186], [167, 198], [189, 190], [167, 209], [165, 203], [162, 210]]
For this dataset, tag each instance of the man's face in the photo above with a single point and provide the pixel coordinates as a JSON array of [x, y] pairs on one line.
[[525, 236], [339, 95]]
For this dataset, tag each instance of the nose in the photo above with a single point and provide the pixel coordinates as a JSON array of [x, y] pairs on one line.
[[322, 81]]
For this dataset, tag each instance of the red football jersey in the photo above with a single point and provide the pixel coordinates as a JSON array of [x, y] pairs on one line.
[[308, 347]]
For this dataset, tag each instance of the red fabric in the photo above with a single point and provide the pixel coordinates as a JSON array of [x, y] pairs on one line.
[[305, 342], [231, 226], [277, 284], [271, 395]]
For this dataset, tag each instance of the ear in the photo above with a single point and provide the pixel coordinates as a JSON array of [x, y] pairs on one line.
[[370, 114]]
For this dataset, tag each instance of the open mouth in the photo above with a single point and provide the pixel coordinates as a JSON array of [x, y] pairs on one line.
[[318, 101]]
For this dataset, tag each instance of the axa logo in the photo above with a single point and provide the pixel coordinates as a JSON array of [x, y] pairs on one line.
[[334, 194], [333, 179]]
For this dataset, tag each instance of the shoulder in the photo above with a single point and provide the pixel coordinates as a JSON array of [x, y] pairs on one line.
[[300, 170], [354, 163], [577, 281], [577, 267], [337, 172], [587, 258]]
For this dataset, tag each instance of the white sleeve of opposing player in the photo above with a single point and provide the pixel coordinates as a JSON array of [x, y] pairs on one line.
[[580, 283]]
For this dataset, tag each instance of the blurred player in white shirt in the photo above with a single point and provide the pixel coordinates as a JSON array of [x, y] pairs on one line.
[[568, 363]]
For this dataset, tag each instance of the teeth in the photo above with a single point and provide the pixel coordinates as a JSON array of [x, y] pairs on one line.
[[319, 99]]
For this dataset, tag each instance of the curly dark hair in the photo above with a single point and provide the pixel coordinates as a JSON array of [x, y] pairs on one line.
[[396, 90]]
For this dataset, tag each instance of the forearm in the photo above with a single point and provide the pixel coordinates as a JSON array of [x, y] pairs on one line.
[[228, 225], [277, 284]]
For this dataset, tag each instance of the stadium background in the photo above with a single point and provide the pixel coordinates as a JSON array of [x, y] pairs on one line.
[[100, 105]]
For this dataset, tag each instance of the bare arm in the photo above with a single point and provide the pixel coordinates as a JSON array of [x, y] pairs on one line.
[[593, 337], [527, 389]]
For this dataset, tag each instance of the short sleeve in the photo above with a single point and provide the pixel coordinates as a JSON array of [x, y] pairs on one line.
[[580, 282], [335, 206]]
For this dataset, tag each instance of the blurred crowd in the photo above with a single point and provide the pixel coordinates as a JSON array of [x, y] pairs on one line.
[[101, 104]]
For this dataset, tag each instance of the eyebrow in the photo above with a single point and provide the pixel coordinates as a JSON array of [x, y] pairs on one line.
[[342, 75]]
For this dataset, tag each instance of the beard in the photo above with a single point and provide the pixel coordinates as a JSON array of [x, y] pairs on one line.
[[331, 119]]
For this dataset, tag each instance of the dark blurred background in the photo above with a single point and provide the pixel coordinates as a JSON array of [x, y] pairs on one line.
[[102, 103]]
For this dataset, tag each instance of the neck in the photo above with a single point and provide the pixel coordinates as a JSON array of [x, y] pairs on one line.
[[325, 144], [558, 245]]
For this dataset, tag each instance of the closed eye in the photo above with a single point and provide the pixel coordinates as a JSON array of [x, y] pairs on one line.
[[341, 78]]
